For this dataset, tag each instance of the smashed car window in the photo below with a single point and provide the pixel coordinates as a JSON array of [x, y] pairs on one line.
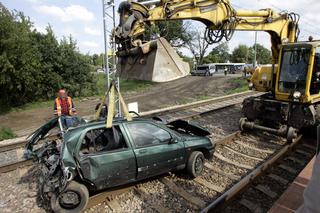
[[103, 140], [145, 134]]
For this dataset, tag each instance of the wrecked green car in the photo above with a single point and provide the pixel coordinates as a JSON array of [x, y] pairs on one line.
[[89, 157]]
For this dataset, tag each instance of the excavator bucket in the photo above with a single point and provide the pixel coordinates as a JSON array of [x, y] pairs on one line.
[[154, 61]]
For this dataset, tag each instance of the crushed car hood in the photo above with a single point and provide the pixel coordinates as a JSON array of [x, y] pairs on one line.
[[189, 127], [43, 130]]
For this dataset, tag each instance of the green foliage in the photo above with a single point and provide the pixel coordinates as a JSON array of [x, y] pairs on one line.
[[33, 66], [6, 133], [174, 31], [239, 85], [219, 54], [245, 54], [263, 55], [240, 54]]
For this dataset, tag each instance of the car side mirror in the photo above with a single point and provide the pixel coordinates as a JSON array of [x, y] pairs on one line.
[[173, 141]]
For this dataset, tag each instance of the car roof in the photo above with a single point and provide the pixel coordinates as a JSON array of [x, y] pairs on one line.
[[116, 121]]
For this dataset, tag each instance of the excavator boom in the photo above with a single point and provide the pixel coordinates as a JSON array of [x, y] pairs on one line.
[[138, 58]]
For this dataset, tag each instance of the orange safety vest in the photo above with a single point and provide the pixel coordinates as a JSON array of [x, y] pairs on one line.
[[59, 109]]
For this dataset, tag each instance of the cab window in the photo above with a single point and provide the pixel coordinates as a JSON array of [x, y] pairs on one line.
[[315, 81], [146, 134], [103, 140]]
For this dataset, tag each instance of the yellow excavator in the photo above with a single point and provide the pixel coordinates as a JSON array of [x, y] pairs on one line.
[[291, 84]]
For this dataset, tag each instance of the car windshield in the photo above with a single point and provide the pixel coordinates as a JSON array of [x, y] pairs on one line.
[[294, 68], [202, 68]]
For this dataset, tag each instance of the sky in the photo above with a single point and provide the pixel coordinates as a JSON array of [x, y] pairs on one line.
[[83, 19]]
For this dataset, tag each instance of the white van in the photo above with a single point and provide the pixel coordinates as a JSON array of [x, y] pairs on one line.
[[204, 70]]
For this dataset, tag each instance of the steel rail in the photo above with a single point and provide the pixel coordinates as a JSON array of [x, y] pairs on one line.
[[21, 143], [22, 163], [247, 180]]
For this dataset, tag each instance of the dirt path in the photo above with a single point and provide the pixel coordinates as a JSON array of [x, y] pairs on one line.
[[180, 91]]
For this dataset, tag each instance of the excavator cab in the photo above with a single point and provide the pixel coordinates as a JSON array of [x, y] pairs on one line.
[[294, 103]]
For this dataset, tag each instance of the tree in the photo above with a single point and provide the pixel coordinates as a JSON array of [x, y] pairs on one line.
[[219, 54], [19, 60], [34, 65], [240, 54], [175, 31], [263, 55], [197, 45]]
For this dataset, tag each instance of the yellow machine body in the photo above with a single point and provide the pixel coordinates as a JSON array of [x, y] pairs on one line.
[[144, 60], [262, 78]]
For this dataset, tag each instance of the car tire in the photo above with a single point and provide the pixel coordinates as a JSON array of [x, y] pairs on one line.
[[76, 188], [195, 164]]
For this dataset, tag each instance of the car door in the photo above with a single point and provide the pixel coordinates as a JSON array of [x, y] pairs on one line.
[[156, 149], [107, 167]]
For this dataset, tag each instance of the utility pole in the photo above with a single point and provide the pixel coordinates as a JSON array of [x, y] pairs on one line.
[[255, 49], [110, 65]]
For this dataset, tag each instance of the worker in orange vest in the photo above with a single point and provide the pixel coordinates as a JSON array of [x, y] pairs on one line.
[[63, 104]]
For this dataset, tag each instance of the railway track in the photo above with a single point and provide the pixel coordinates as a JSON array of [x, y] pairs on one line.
[[11, 154], [239, 160]]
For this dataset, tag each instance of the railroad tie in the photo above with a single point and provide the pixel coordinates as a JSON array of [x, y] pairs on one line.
[[209, 185], [288, 169], [228, 138], [278, 179], [186, 195], [265, 190], [219, 156], [251, 206], [142, 191], [296, 160], [114, 205], [313, 148], [300, 151], [219, 171], [242, 154], [254, 148]]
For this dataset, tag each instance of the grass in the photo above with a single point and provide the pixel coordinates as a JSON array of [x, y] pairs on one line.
[[238, 85], [125, 86], [6, 133]]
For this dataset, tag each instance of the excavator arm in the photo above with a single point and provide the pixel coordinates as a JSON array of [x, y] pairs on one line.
[[220, 18]]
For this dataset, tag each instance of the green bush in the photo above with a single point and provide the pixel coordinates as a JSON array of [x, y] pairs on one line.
[[6, 133], [33, 65]]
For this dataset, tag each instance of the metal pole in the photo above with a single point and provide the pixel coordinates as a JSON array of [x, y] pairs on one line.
[[109, 12], [106, 64], [255, 49], [318, 140]]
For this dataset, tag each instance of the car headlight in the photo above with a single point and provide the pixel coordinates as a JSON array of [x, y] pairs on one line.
[[296, 95]]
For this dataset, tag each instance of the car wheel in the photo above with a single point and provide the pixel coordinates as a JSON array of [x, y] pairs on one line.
[[207, 74], [195, 164], [73, 199]]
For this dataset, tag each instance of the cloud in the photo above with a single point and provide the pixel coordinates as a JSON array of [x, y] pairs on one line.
[[67, 14], [40, 29], [92, 31], [90, 44]]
